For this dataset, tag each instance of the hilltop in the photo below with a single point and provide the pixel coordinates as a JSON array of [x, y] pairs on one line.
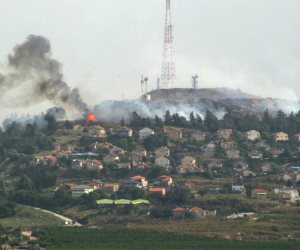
[[184, 101]]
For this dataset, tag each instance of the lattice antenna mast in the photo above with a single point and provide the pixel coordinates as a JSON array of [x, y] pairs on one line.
[[168, 65]]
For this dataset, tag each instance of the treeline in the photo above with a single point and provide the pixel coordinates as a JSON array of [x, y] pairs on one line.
[[26, 140], [289, 123]]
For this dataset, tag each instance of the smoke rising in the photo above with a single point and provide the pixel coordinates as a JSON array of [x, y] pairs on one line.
[[32, 76]]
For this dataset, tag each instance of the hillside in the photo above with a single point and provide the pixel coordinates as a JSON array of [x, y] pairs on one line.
[[184, 101]]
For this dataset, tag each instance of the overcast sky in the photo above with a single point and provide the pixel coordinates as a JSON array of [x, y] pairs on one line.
[[105, 45]]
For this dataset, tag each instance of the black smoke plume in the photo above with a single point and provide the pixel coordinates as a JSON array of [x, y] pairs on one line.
[[36, 76]]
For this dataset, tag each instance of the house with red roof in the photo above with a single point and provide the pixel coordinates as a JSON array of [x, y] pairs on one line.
[[141, 179], [158, 190], [179, 212], [166, 180], [110, 187], [259, 193]]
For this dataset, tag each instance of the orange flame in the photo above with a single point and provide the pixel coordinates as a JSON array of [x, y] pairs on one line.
[[90, 117]]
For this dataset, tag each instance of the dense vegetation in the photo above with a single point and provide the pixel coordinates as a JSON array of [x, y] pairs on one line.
[[108, 238], [289, 123]]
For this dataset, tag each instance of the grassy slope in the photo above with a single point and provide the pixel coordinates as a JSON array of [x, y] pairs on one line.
[[29, 217], [83, 238]]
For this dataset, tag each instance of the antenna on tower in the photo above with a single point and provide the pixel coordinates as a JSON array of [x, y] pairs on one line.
[[158, 83], [195, 81], [168, 64], [142, 84], [146, 83]]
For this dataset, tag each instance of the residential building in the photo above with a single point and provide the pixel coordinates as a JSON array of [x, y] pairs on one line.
[[162, 151], [248, 173], [179, 212], [145, 132], [99, 146], [225, 133], [233, 153], [254, 154], [140, 150], [124, 165], [209, 150], [289, 194], [173, 132], [198, 135], [94, 165], [252, 135], [140, 165], [297, 137], [80, 190], [189, 168], [78, 164], [259, 193], [275, 152], [110, 158], [158, 190], [197, 212], [131, 183], [141, 179], [96, 131], [228, 144], [280, 136], [166, 180], [238, 188], [117, 151], [188, 160], [162, 162], [266, 167], [110, 187], [124, 132]]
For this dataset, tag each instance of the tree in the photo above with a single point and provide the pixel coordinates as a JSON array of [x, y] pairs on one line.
[[158, 122], [168, 118], [122, 122], [211, 122], [68, 124], [193, 122], [25, 183], [52, 125]]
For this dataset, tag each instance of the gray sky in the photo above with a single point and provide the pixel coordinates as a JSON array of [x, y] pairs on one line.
[[105, 45]]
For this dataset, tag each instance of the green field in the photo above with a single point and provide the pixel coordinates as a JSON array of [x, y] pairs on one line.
[[29, 217], [112, 238]]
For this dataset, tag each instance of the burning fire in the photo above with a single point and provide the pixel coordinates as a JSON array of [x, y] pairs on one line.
[[91, 118]]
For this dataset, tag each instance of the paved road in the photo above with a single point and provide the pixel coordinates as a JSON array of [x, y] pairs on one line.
[[67, 220]]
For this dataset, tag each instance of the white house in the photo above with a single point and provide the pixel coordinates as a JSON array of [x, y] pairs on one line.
[[162, 162], [79, 190], [281, 136], [188, 160], [111, 158], [288, 193], [145, 132], [94, 165], [238, 187], [252, 135], [162, 151]]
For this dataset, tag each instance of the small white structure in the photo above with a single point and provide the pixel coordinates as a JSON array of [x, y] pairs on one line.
[[238, 188], [145, 132]]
